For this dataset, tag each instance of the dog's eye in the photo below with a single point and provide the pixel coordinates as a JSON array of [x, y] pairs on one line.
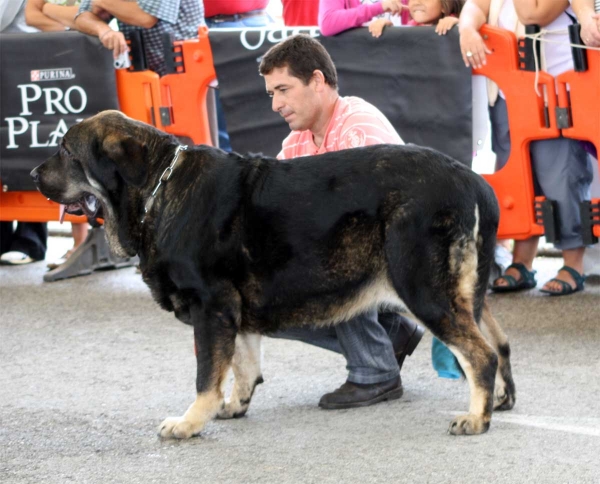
[[64, 153]]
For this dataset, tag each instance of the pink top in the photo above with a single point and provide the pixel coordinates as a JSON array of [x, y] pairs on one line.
[[335, 16], [354, 123]]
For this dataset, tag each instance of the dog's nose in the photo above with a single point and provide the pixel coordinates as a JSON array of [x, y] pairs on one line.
[[35, 175]]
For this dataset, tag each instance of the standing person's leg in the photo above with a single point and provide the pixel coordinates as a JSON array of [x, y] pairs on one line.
[[32, 236], [564, 173], [80, 233], [28, 244], [500, 132], [518, 275], [224, 142], [6, 236], [253, 21], [591, 258]]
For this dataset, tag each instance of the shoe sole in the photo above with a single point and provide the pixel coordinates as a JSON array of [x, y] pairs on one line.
[[561, 293], [394, 394], [515, 288], [17, 263]]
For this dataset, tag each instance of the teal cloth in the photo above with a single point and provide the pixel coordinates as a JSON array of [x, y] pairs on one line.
[[444, 362]]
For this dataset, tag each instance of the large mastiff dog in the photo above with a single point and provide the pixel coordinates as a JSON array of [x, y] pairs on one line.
[[239, 246]]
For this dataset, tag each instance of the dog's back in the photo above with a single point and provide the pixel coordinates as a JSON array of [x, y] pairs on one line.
[[345, 220]]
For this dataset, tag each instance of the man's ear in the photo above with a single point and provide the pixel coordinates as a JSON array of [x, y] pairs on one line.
[[129, 156], [319, 79]]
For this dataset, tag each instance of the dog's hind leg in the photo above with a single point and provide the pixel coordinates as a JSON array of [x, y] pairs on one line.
[[247, 374], [505, 393], [438, 286], [214, 336], [453, 323], [479, 363]]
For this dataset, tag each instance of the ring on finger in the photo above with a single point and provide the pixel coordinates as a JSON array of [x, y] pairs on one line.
[[469, 53]]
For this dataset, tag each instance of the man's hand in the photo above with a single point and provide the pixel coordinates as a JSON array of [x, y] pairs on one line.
[[115, 41], [590, 30]]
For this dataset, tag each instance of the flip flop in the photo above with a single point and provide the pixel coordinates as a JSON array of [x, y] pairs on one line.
[[566, 288], [527, 280]]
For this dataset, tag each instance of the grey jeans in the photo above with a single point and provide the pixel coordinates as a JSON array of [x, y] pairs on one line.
[[365, 342], [562, 172]]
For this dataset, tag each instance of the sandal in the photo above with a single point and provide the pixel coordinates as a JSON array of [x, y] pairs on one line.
[[566, 288], [527, 280]]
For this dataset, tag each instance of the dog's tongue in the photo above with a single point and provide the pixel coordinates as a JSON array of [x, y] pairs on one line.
[[62, 213]]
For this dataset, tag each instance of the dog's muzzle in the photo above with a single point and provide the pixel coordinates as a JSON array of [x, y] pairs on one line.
[[87, 205]]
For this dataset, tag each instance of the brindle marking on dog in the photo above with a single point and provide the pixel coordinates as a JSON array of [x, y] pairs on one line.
[[239, 246]]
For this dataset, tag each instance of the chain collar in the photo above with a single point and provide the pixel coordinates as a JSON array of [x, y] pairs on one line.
[[163, 178]]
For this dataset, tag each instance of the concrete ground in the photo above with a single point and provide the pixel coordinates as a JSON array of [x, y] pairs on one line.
[[90, 366]]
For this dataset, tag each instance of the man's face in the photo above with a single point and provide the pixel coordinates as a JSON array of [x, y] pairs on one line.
[[297, 103]]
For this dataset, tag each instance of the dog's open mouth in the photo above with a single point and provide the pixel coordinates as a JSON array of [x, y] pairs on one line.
[[87, 205]]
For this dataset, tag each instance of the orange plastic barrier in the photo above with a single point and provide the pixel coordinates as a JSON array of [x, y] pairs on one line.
[[139, 95], [30, 207], [526, 113], [579, 93], [184, 94], [180, 99]]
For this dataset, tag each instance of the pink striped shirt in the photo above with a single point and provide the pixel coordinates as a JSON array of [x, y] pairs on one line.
[[354, 123]]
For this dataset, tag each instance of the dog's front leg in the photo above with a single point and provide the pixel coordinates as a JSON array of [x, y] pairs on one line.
[[247, 373], [214, 336]]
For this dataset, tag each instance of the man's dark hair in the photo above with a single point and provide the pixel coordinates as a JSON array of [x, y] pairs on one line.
[[302, 55]]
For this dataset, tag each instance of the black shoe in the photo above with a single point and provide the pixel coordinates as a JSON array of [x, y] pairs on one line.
[[352, 395], [406, 339]]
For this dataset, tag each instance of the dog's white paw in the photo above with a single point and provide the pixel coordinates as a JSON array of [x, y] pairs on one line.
[[468, 425], [232, 409], [178, 428]]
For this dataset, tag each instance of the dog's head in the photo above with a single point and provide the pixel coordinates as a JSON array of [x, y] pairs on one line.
[[100, 162]]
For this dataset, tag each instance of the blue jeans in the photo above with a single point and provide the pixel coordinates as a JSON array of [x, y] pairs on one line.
[[257, 21], [363, 341]]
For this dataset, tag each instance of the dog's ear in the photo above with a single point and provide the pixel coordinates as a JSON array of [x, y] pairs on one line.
[[129, 157]]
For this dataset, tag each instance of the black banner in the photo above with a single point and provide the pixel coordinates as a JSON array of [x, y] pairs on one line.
[[49, 82], [415, 77]]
